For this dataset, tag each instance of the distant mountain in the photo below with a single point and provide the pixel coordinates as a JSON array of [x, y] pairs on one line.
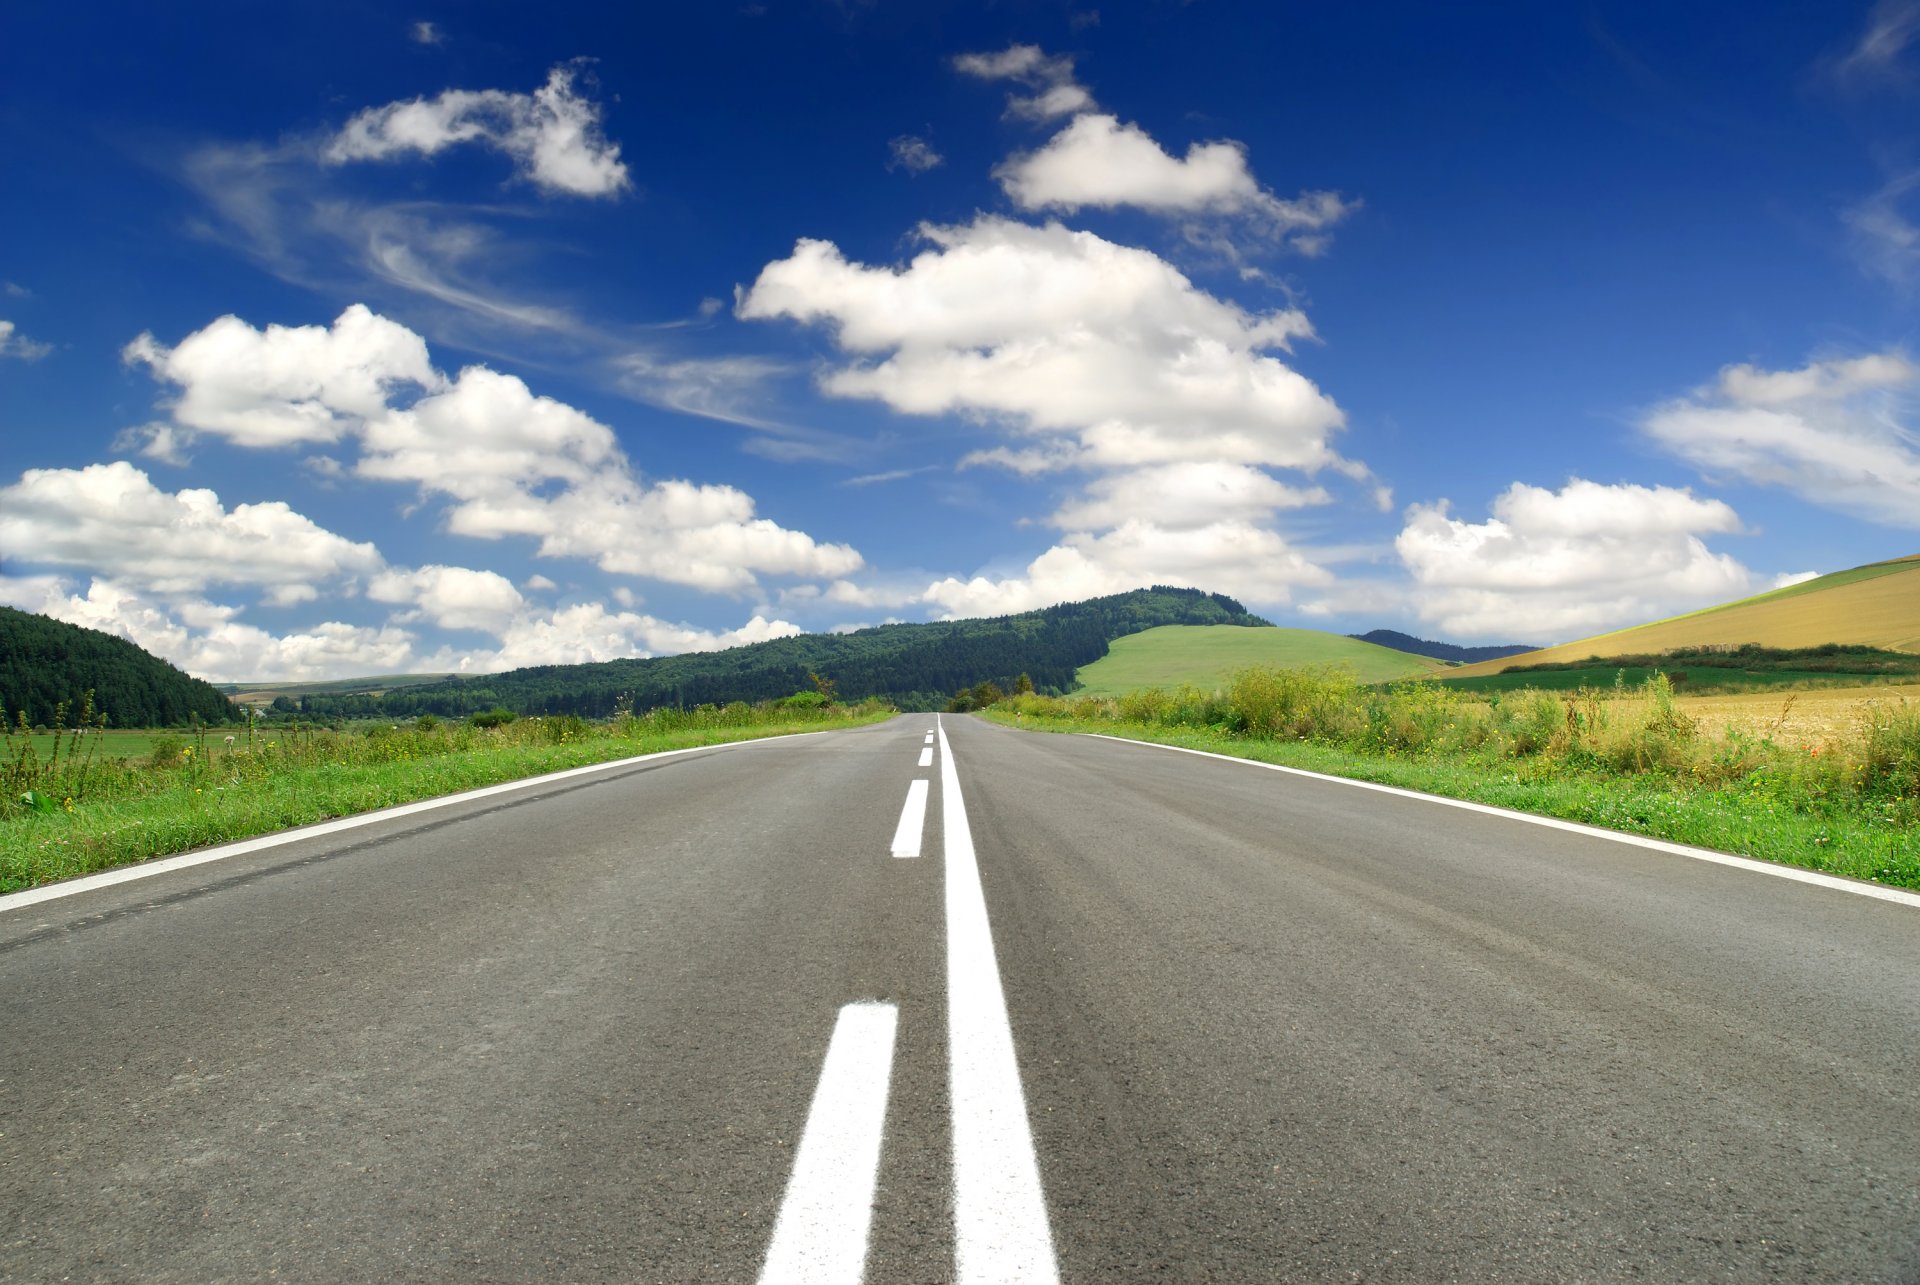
[[45, 661], [1438, 650], [916, 666]]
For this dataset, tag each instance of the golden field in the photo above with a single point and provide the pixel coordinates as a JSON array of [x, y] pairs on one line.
[[1802, 719], [1877, 605]]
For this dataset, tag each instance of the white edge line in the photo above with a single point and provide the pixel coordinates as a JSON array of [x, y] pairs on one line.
[[1898, 896], [827, 1213], [913, 820], [165, 865], [1000, 1227]]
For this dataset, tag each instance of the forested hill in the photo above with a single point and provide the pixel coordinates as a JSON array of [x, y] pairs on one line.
[[44, 662], [917, 666], [1438, 650]]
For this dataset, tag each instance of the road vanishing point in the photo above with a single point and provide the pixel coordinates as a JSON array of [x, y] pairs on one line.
[[937, 999]]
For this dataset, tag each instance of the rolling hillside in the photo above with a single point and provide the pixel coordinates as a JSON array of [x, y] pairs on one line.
[[1877, 605], [45, 663], [1206, 655], [917, 666]]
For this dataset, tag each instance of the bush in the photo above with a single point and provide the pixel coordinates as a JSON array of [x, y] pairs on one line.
[[495, 717], [166, 750]]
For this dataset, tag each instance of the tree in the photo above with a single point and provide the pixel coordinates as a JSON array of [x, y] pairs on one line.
[[823, 685], [1023, 685]]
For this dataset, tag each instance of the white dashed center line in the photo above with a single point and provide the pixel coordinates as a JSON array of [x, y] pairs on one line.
[[999, 1211], [913, 821], [821, 1235], [926, 757]]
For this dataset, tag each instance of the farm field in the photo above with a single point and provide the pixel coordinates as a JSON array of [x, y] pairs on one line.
[[1803, 719], [1878, 605], [114, 743], [1208, 655]]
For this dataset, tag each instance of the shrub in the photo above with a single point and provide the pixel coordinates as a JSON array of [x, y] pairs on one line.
[[495, 717]]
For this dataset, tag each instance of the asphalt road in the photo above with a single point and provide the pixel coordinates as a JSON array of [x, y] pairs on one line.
[[662, 1022]]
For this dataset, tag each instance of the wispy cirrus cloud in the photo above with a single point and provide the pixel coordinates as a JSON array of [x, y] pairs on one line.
[[1843, 433]]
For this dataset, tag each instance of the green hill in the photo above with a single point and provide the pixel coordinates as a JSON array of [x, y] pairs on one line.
[[1207, 655], [45, 662], [916, 666]]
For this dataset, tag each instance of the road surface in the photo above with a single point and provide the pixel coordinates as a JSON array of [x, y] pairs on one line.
[[1128, 1014]]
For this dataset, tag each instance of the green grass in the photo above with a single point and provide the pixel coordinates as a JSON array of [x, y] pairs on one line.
[[1627, 758], [118, 812], [1758, 819], [113, 743], [1208, 655]]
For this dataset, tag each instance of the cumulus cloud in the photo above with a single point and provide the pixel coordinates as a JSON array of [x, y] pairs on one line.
[[1233, 557], [286, 384], [1562, 564], [111, 519], [1063, 337], [209, 639], [553, 134], [16, 345], [503, 460], [1841, 433], [452, 597], [1053, 91], [914, 155], [1099, 161], [1183, 496]]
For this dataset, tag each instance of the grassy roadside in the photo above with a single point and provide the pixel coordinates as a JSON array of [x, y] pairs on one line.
[[1768, 805], [126, 813]]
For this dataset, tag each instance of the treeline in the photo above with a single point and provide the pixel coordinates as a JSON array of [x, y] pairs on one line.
[[47, 663], [1827, 658], [914, 666], [1440, 650]]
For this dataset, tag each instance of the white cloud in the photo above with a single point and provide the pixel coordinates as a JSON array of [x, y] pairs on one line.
[[914, 155], [1055, 92], [205, 640], [1058, 335], [509, 462], [1553, 565], [1098, 161], [589, 632], [14, 344], [426, 33], [452, 597], [1183, 496], [1237, 558], [285, 384], [113, 521], [553, 134], [1841, 433]]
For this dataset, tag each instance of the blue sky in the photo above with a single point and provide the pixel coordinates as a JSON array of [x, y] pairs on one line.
[[337, 339]]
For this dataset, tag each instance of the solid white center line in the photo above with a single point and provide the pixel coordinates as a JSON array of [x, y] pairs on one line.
[[821, 1234], [999, 1212], [926, 757], [913, 821]]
